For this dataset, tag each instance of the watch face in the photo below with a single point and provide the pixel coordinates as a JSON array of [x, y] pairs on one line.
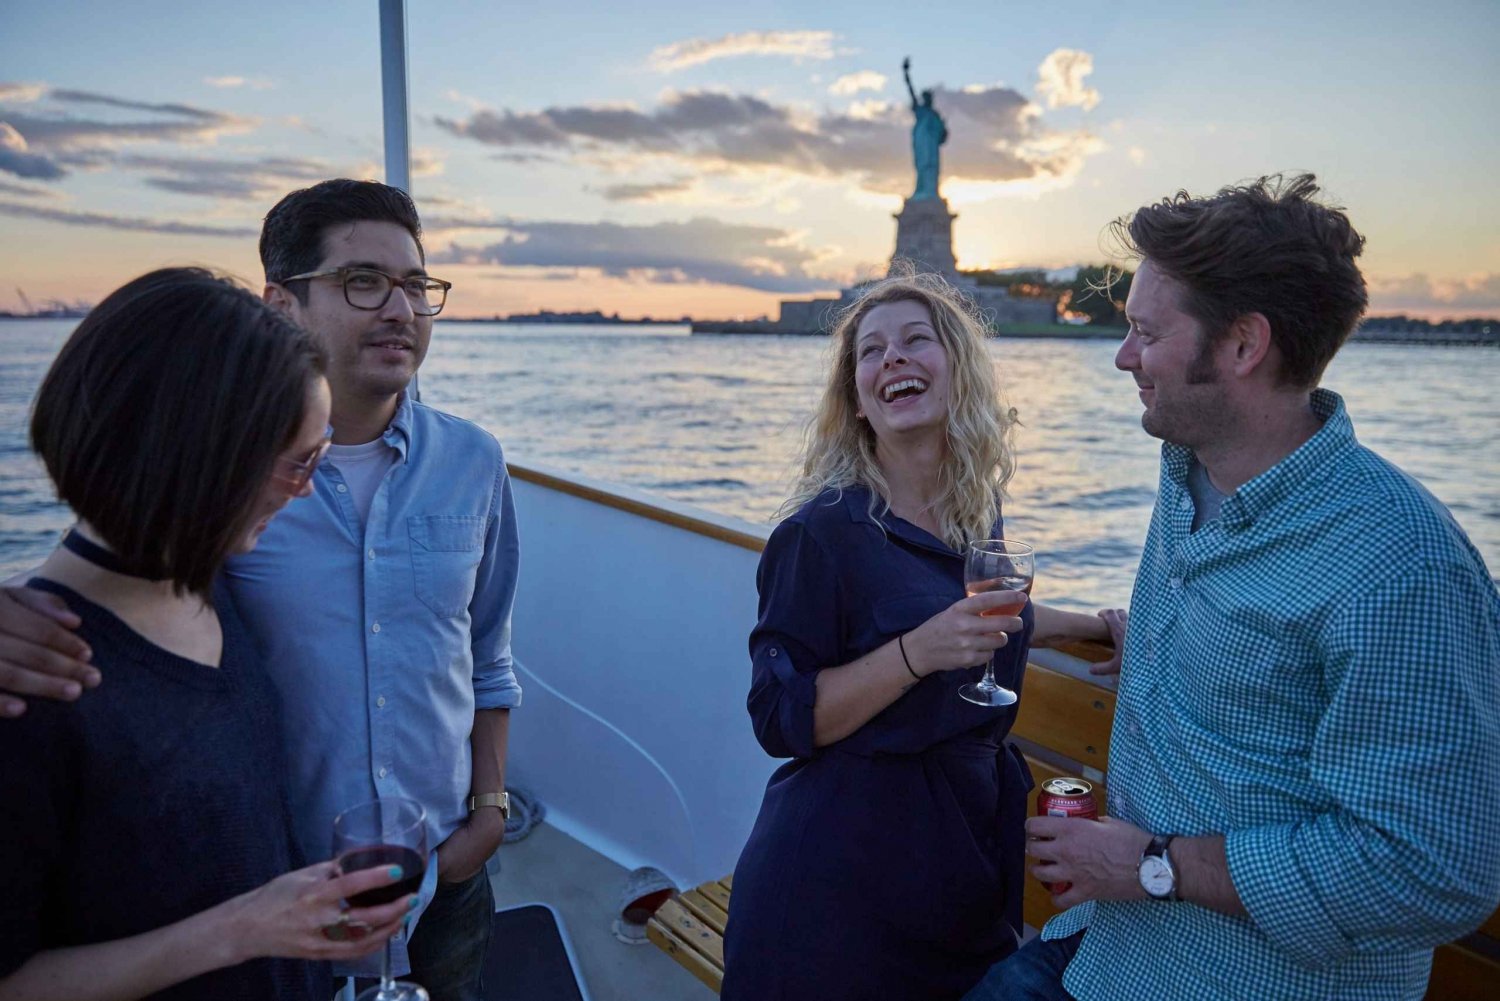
[[1156, 876]]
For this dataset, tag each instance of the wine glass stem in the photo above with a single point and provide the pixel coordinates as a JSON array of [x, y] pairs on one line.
[[386, 986], [988, 683]]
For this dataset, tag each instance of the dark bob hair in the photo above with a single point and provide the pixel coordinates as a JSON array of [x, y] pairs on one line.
[[161, 418], [291, 240], [1266, 247]]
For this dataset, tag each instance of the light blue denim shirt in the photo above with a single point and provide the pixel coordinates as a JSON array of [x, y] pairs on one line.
[[1316, 675], [384, 640]]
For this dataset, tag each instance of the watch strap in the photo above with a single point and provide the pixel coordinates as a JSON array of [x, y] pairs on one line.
[[1158, 845], [499, 800]]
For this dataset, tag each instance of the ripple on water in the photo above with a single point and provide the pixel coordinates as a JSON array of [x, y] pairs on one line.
[[1114, 498]]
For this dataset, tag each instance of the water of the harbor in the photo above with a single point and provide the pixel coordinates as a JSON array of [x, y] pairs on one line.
[[716, 421]]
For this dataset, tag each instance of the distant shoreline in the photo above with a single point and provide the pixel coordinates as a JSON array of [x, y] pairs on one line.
[[1487, 336]]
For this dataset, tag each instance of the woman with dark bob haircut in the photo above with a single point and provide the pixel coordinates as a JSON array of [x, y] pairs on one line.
[[144, 835]]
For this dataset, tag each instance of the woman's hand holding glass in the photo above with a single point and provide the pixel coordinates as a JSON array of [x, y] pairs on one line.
[[304, 914], [962, 635]]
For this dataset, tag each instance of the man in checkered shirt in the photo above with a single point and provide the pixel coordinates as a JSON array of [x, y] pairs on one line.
[[1304, 780]]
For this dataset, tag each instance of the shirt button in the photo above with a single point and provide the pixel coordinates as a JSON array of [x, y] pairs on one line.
[[1186, 503], [370, 553], [382, 773], [380, 702], [376, 627], [343, 489], [1175, 583]]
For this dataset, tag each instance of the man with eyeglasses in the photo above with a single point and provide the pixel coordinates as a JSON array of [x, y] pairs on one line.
[[382, 602]]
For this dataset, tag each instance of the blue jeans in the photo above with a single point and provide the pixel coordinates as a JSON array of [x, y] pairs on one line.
[[1032, 973], [448, 948]]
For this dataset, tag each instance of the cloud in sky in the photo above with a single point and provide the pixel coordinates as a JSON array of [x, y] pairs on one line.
[[16, 158], [174, 110], [1060, 80], [995, 135], [852, 83], [43, 144], [21, 93], [1419, 293], [231, 82], [696, 251], [695, 51], [27, 191], [215, 177], [128, 223], [647, 192]]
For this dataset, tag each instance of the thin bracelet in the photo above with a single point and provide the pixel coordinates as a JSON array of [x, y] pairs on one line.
[[901, 642]]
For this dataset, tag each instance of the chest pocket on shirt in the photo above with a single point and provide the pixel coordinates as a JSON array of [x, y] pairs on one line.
[[445, 553]]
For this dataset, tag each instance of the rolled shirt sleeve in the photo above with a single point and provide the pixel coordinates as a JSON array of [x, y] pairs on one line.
[[795, 637], [495, 684], [1407, 858]]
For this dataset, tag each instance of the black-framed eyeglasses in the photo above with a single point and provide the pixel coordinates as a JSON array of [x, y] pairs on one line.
[[366, 288], [292, 474]]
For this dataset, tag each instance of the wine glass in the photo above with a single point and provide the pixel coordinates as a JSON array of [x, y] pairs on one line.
[[995, 565], [384, 832]]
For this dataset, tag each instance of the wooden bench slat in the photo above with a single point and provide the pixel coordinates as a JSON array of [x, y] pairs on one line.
[[1090, 650], [717, 893], [1066, 715], [712, 976], [705, 910], [686, 927]]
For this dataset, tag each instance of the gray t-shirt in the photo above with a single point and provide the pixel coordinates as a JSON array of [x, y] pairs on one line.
[[1206, 498], [363, 467]]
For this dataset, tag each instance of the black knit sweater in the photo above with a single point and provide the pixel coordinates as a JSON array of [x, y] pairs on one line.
[[156, 795]]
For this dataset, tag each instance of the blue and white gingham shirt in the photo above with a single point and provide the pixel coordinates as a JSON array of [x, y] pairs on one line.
[[1315, 675]]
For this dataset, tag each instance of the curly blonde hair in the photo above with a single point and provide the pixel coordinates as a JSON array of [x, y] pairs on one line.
[[838, 449]]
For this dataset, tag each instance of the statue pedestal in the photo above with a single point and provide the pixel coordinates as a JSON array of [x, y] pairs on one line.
[[924, 236]]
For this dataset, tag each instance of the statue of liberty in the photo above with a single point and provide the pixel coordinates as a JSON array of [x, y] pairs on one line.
[[927, 133]]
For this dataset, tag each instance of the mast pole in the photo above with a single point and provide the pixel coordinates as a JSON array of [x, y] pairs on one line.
[[393, 90]]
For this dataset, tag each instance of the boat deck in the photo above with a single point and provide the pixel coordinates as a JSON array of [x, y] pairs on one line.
[[584, 887]]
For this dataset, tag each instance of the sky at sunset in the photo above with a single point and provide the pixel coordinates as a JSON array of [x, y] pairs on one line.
[[673, 158]]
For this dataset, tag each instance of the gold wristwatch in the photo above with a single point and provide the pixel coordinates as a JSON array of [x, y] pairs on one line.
[[500, 800]]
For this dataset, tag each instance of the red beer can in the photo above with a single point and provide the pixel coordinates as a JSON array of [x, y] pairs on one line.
[[1066, 797]]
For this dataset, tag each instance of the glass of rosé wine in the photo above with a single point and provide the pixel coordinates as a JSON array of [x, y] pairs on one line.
[[997, 565]]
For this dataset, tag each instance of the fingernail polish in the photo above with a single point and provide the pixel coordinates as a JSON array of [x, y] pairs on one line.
[[415, 903], [396, 871]]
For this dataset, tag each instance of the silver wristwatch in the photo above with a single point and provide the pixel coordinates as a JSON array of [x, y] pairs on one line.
[[499, 800], [1155, 871]]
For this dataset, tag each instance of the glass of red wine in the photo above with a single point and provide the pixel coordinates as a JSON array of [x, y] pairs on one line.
[[384, 832], [997, 565]]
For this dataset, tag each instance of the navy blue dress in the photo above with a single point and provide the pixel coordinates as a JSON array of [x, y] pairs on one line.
[[889, 864]]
